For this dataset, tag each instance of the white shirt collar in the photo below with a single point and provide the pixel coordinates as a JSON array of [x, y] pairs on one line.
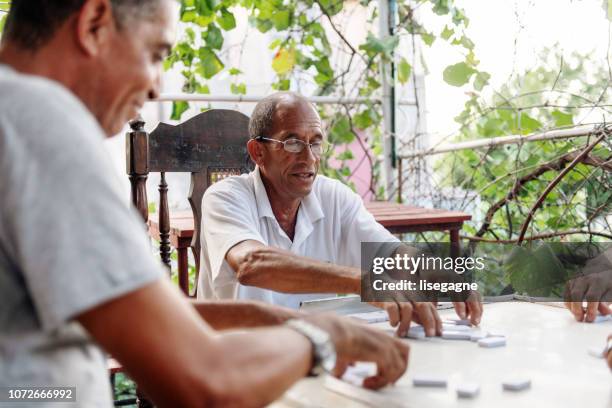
[[310, 207]]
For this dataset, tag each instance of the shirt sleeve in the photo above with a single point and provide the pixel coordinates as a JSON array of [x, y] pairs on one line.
[[229, 217], [358, 226], [66, 226]]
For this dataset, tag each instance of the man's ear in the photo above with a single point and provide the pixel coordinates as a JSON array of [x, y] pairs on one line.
[[256, 151], [95, 22]]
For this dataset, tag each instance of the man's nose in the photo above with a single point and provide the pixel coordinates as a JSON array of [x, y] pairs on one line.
[[156, 80], [307, 155]]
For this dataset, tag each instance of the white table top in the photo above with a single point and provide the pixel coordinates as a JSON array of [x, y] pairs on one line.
[[544, 344]]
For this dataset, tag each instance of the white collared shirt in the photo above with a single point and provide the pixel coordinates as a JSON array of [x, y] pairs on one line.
[[331, 224]]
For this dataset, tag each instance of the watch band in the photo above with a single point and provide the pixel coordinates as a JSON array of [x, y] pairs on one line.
[[323, 349]]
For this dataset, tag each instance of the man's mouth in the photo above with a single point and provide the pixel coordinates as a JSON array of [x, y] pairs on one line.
[[304, 175]]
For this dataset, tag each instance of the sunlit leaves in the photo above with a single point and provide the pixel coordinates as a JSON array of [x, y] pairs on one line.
[[480, 80], [284, 60], [178, 108], [281, 20], [562, 118], [238, 89], [210, 64], [376, 46], [226, 20], [458, 74], [213, 37], [403, 71], [341, 132]]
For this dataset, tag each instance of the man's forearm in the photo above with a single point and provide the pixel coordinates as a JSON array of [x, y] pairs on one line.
[[283, 271], [241, 314]]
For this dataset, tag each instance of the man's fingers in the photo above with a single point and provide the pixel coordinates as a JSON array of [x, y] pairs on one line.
[[460, 309], [577, 311], [375, 382], [438, 320], [340, 368], [475, 310], [405, 318], [604, 308], [427, 317], [591, 311], [394, 313]]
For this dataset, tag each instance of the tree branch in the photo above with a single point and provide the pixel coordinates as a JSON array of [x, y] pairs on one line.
[[536, 237], [553, 184], [556, 165]]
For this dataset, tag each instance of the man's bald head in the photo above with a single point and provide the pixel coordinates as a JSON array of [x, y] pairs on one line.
[[262, 118]]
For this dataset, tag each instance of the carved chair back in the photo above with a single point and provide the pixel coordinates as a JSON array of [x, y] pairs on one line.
[[210, 146]]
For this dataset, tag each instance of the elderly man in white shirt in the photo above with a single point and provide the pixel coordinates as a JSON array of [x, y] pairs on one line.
[[283, 234]]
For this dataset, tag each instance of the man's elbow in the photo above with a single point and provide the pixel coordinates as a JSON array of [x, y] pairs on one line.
[[250, 266]]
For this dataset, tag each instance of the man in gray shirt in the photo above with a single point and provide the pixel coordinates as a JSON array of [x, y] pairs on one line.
[[76, 272]]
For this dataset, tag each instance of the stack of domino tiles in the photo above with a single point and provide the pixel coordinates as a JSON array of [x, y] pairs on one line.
[[461, 330]]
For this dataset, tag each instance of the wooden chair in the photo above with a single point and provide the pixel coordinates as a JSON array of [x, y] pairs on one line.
[[210, 146]]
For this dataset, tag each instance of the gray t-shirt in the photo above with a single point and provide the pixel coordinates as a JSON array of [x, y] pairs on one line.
[[68, 242]]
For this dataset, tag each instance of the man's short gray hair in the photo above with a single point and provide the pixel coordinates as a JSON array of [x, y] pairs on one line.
[[262, 118], [31, 23]]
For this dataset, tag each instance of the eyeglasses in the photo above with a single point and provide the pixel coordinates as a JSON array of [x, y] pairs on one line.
[[296, 145]]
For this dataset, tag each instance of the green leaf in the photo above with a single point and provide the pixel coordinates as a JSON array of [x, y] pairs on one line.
[[281, 20], [213, 37], [458, 74], [189, 16], [345, 155], [210, 64], [178, 108], [238, 89], [447, 33], [262, 24], [341, 131], [364, 119], [202, 89], [562, 118], [234, 71], [204, 21], [467, 43], [274, 44], [481, 79], [608, 8], [332, 7], [440, 7], [203, 8], [283, 61], [528, 124], [375, 45], [190, 34], [226, 20], [281, 85], [428, 38], [403, 71]]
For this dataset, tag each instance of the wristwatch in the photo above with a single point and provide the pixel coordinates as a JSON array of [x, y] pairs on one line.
[[324, 351]]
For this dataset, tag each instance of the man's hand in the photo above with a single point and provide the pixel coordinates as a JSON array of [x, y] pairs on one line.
[[594, 287], [401, 314], [356, 342], [470, 309], [589, 313]]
